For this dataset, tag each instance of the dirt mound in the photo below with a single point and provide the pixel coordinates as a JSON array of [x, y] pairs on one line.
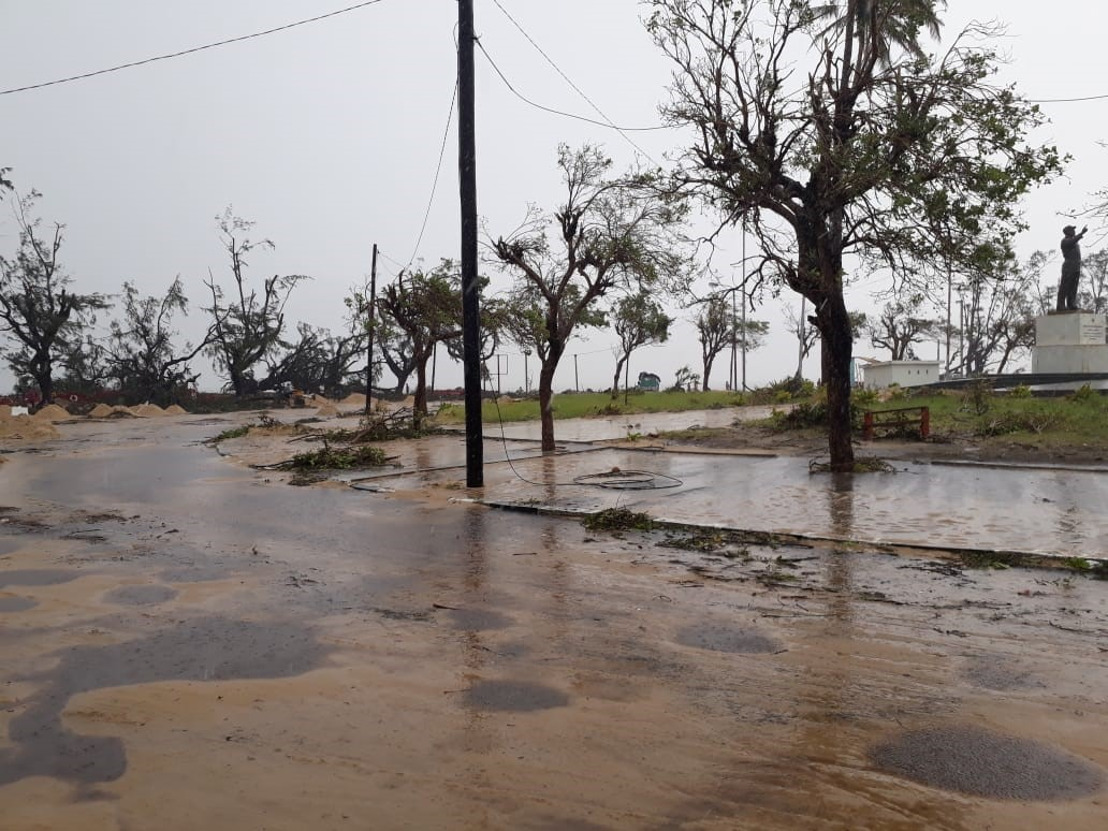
[[148, 411], [52, 412], [355, 399], [176, 409], [100, 411], [327, 409], [26, 427]]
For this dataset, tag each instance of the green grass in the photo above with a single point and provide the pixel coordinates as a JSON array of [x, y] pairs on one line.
[[1047, 422], [584, 404]]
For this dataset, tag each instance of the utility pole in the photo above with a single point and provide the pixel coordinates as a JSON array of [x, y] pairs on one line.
[[576, 374], [949, 299], [471, 301], [369, 330], [800, 334], [745, 334]]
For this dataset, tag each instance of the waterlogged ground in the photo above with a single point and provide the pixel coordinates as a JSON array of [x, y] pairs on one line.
[[189, 643]]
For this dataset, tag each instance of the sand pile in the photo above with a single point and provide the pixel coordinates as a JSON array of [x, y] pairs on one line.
[[148, 411], [100, 411], [26, 427], [355, 399], [52, 412], [176, 409], [327, 409]]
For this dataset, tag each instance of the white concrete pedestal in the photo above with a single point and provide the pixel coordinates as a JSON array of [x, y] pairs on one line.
[[1070, 342]]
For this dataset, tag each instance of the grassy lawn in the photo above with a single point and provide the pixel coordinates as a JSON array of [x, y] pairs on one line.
[[578, 405], [1060, 421]]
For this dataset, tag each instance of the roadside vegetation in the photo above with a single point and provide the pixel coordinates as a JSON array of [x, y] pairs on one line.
[[585, 404]]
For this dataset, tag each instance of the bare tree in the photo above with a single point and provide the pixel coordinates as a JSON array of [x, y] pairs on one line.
[[838, 146], [41, 317], [609, 235], [246, 325]]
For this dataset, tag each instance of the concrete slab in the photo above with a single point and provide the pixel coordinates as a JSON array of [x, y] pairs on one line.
[[1043, 511]]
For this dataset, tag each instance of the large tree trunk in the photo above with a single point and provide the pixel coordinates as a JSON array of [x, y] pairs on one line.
[[707, 371], [838, 345], [419, 406], [615, 379], [546, 403]]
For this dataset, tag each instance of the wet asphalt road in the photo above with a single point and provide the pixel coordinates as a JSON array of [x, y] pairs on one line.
[[189, 643]]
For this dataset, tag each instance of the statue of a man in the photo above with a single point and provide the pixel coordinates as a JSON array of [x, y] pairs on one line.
[[1071, 268]]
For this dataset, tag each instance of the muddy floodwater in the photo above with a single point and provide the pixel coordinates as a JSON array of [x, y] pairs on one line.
[[190, 643]]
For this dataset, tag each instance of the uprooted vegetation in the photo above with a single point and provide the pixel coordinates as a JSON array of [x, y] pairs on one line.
[[330, 457], [617, 520]]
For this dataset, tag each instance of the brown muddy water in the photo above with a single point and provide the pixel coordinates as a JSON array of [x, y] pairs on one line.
[[187, 643]]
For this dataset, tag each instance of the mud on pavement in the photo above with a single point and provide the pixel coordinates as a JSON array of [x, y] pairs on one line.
[[187, 643]]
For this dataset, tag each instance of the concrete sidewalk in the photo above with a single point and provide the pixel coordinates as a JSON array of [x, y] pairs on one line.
[[1036, 510]]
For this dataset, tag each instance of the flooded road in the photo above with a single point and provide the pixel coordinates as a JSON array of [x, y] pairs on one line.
[[187, 643]]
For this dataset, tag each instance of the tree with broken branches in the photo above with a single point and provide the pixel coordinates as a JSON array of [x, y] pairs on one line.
[[427, 308], [141, 356], [638, 320], [900, 326], [246, 325], [39, 314], [842, 148], [607, 234]]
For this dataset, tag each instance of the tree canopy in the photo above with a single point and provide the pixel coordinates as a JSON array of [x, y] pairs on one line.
[[842, 148]]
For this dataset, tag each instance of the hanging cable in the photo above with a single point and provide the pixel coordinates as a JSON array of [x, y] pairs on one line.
[[438, 171], [192, 51], [553, 111], [567, 79]]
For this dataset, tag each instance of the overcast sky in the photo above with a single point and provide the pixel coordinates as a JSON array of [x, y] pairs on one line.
[[328, 136]]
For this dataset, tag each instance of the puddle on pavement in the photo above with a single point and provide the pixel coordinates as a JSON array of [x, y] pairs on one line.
[[721, 638], [7, 546], [140, 595], [142, 475], [514, 696], [194, 574], [977, 762], [16, 604], [37, 577], [206, 649], [994, 673], [479, 620]]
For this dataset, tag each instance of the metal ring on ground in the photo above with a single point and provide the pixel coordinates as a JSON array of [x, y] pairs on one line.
[[628, 480]]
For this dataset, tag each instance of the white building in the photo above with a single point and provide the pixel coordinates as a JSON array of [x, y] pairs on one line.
[[880, 375]]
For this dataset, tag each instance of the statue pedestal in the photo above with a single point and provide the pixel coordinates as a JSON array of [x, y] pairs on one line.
[[1070, 342]]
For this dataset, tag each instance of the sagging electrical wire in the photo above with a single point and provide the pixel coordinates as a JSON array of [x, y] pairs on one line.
[[193, 50]]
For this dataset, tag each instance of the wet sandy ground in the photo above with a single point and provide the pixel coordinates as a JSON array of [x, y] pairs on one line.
[[187, 643]]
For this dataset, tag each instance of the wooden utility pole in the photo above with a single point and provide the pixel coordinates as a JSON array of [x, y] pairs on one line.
[[369, 332], [471, 302]]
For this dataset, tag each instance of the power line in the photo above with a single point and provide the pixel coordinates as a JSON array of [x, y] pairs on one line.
[[1066, 100], [191, 51], [567, 79], [438, 170], [535, 104]]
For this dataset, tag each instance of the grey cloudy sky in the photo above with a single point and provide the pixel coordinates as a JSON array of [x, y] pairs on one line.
[[328, 136]]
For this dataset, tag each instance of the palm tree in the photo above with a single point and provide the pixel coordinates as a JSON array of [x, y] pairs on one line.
[[883, 24]]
